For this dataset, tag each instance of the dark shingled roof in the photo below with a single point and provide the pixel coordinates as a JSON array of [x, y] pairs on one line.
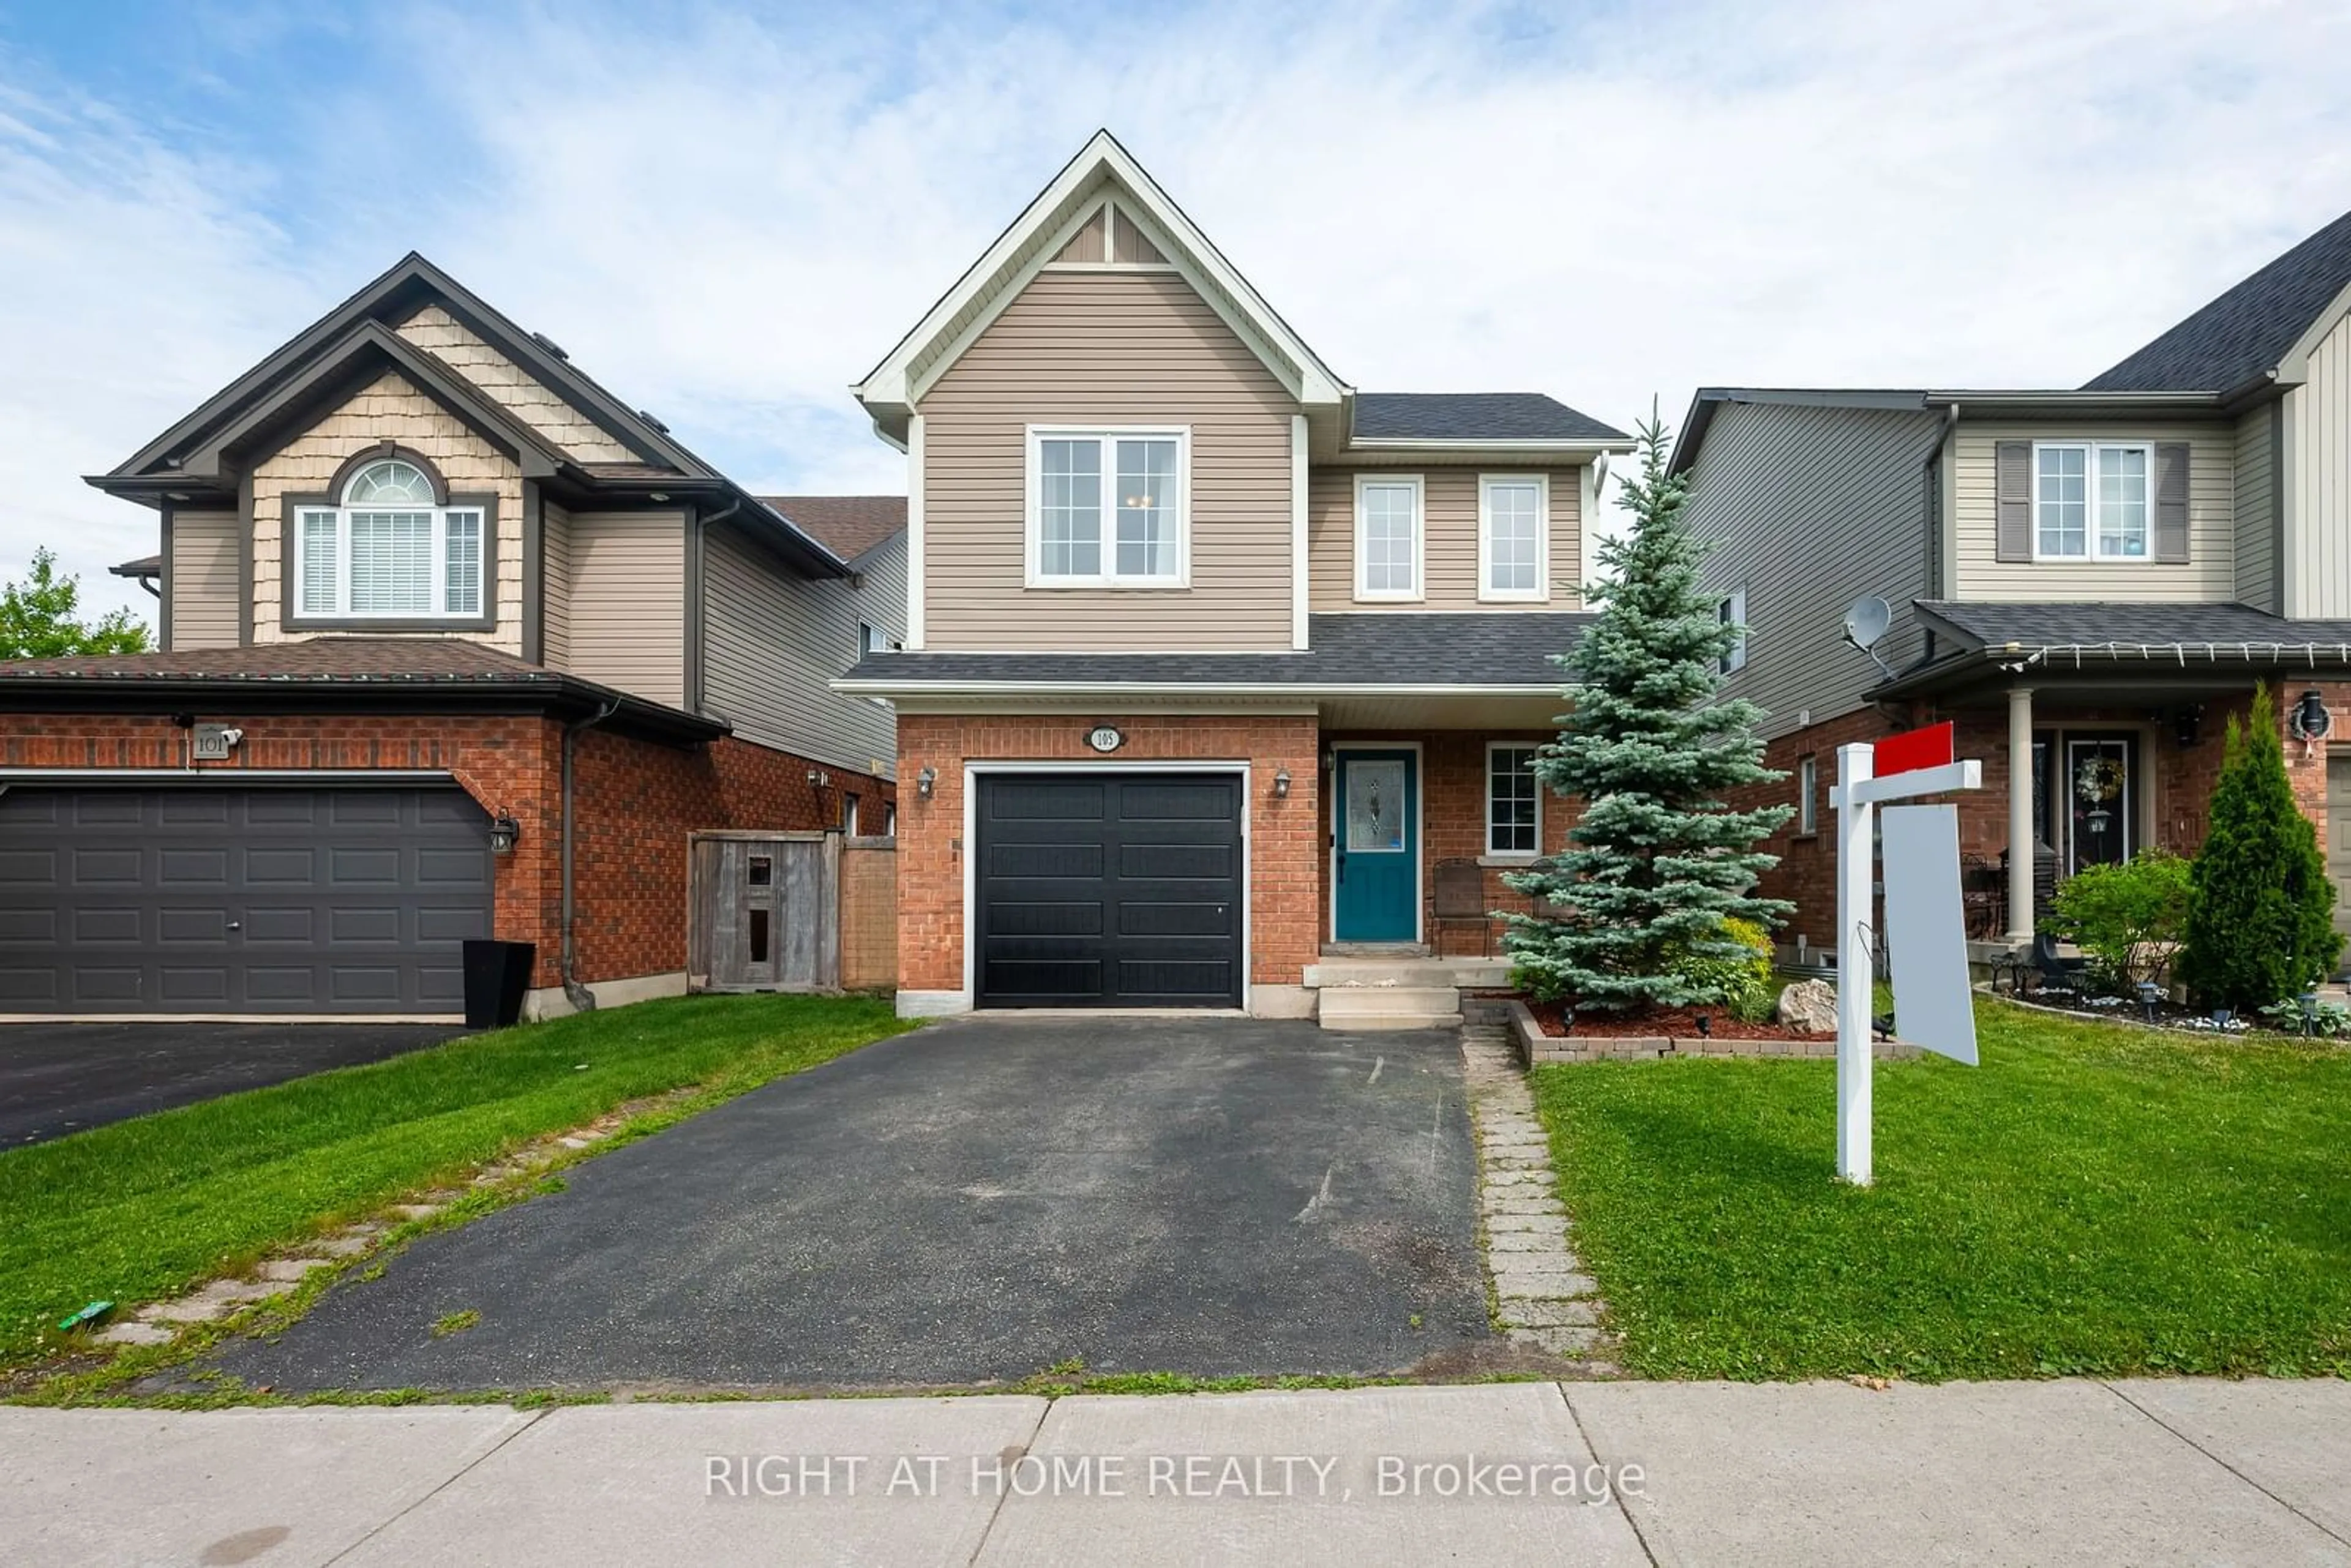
[[1348, 650], [2060, 623], [848, 525], [1474, 416], [411, 659], [2247, 331]]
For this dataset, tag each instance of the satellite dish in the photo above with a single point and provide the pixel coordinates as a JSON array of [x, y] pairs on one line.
[[1867, 621]]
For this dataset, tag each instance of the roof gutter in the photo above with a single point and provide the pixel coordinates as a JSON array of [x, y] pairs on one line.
[[1302, 690]]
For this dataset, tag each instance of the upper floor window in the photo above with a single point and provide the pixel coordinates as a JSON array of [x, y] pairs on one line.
[[2090, 500], [1513, 799], [387, 551], [1108, 508], [1387, 536], [1513, 536], [1732, 612]]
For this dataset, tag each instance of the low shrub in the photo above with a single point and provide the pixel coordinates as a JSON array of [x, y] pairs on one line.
[[2127, 917], [1741, 979]]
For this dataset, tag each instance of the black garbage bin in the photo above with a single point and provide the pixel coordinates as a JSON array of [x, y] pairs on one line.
[[497, 976]]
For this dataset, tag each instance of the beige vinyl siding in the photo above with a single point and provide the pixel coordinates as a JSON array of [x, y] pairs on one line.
[[555, 587], [1450, 550], [2257, 500], [2317, 481], [388, 410], [2211, 569], [772, 641], [1106, 348], [535, 403], [1809, 508], [203, 580], [627, 603]]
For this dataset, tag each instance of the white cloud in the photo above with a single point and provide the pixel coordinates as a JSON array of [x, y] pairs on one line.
[[728, 217]]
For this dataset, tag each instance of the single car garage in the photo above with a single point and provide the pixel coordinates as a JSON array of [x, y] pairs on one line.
[[1106, 888], [200, 899]]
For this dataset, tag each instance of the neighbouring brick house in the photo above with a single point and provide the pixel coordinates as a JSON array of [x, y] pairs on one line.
[[423, 584], [2086, 583], [1216, 669]]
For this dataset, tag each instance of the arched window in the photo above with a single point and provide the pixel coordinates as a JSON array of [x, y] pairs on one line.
[[388, 552]]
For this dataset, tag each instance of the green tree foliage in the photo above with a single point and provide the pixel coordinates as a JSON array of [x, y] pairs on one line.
[[2127, 918], [1658, 861], [39, 619], [2261, 910]]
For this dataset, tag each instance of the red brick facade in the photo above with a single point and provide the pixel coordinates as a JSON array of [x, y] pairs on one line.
[[2175, 781], [635, 801]]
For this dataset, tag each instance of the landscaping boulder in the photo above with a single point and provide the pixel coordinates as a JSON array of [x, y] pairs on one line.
[[1810, 1006]]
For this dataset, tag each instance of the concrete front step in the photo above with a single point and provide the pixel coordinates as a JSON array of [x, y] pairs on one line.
[[1469, 973], [1389, 1006]]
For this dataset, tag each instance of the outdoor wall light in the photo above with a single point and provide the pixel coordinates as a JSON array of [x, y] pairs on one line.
[[2311, 721], [504, 834], [1282, 783], [924, 782]]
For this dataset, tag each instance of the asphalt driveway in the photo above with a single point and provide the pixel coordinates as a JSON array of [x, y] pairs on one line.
[[65, 1077], [979, 1200]]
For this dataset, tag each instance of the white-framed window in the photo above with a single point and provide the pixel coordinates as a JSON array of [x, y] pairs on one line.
[[1732, 611], [1109, 507], [1514, 537], [1513, 800], [387, 552], [1808, 795], [2093, 500], [1388, 536], [871, 639]]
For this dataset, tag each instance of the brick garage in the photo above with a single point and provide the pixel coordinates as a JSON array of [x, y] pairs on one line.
[[1284, 881], [635, 800]]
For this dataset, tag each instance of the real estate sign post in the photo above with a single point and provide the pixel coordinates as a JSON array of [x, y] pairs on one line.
[[1925, 913]]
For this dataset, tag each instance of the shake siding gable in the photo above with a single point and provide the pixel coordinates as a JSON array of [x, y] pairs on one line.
[[1808, 509], [1449, 501], [1106, 348], [388, 410], [203, 580], [771, 641], [2210, 572], [628, 602], [536, 404]]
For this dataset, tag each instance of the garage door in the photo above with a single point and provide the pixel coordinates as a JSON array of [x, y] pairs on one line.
[[1109, 890], [202, 900]]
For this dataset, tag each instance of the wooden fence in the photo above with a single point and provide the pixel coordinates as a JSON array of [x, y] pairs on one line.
[[791, 912]]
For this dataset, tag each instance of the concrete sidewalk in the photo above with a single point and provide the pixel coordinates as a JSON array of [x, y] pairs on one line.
[[2142, 1471]]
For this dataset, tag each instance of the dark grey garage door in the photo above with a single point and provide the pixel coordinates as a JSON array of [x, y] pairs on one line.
[[1109, 890], [205, 900]]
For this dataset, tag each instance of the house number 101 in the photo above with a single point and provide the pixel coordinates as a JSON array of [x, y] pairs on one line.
[[1106, 737]]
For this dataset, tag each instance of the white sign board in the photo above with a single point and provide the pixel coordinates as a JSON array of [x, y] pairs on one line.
[[1925, 937]]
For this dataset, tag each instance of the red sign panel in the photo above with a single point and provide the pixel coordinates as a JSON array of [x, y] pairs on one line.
[[1914, 749]]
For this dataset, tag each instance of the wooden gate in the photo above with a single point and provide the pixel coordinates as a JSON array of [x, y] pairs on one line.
[[766, 911]]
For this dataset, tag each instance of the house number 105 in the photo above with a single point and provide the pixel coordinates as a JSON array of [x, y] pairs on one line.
[[1106, 737]]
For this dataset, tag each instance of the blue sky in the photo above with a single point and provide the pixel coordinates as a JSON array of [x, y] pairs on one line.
[[727, 212]]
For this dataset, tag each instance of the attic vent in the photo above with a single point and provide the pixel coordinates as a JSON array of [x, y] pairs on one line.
[[549, 344], [647, 416]]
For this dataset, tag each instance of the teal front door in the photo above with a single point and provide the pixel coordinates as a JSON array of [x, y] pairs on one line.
[[1375, 826]]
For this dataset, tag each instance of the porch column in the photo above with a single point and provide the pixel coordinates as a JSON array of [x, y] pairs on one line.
[[2021, 839]]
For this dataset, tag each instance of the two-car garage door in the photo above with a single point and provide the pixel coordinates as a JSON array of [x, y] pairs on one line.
[[1108, 889], [197, 899]]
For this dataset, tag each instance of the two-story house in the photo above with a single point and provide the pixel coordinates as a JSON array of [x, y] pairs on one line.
[[1212, 664], [455, 643], [2086, 583]]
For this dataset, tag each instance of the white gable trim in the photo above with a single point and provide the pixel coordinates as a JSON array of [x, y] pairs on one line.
[[1055, 215], [2294, 369]]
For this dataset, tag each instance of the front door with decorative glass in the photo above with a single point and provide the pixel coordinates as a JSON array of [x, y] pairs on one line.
[[2092, 817], [1376, 834]]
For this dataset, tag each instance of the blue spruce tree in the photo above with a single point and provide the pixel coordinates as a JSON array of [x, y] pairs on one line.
[[1657, 861]]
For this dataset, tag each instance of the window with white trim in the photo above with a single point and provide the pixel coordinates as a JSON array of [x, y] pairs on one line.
[[2093, 500], [1732, 611], [1513, 536], [1808, 795], [1513, 799], [1108, 508], [388, 552], [1387, 536]]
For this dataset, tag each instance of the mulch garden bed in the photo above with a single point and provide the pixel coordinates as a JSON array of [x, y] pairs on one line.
[[1680, 1024]]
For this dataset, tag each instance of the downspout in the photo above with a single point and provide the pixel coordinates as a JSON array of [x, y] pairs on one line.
[[582, 998]]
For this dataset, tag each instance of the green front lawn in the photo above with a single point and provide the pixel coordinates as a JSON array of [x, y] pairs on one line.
[[138, 1209], [2092, 1199]]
